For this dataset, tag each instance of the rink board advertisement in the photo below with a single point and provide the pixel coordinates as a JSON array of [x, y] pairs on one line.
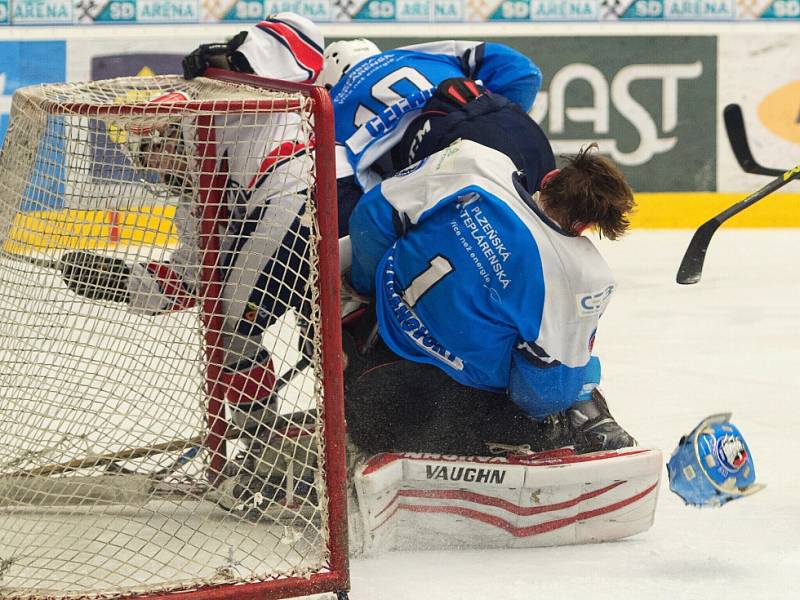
[[83, 12], [644, 100], [768, 91], [648, 101], [652, 102], [28, 63]]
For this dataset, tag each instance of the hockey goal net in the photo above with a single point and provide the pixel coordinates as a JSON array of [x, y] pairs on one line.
[[138, 220]]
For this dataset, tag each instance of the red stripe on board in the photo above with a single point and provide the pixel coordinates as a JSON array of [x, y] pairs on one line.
[[276, 155], [306, 54], [516, 509], [520, 532], [114, 232]]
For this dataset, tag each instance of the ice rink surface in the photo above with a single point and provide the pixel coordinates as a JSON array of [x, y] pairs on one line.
[[671, 356]]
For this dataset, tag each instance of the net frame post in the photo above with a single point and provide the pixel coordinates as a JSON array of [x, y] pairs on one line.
[[333, 363], [338, 578], [210, 193]]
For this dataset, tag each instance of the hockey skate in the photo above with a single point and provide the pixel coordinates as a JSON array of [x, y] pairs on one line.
[[594, 429], [554, 433], [275, 476]]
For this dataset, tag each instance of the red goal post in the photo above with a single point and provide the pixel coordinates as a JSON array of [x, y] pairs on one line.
[[116, 437]]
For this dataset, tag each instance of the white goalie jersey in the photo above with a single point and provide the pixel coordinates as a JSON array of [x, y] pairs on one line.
[[264, 165]]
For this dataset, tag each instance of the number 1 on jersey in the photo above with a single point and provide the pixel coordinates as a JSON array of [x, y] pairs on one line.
[[438, 268]]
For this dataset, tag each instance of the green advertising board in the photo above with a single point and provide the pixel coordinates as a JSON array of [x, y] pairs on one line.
[[648, 101]]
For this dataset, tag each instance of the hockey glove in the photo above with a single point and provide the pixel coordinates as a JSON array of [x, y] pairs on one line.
[[458, 91], [221, 56], [94, 276]]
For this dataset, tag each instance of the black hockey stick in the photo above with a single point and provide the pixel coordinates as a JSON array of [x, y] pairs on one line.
[[737, 136], [45, 263], [692, 264]]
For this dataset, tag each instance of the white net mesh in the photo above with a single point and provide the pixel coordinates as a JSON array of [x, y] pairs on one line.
[[160, 350]]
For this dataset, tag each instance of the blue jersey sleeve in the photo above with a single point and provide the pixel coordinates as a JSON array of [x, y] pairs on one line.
[[372, 232], [505, 71], [376, 224], [541, 389]]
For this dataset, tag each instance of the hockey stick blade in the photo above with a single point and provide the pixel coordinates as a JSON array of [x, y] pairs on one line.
[[32, 260], [692, 264], [737, 136], [691, 267]]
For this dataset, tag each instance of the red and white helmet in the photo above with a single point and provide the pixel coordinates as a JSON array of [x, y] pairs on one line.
[[155, 141], [151, 122], [284, 46], [341, 56]]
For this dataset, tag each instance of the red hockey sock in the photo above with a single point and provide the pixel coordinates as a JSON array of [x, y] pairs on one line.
[[254, 385]]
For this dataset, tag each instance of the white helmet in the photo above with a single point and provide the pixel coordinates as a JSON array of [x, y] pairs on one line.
[[340, 56]]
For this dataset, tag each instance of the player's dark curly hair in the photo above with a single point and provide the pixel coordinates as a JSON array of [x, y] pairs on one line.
[[589, 191]]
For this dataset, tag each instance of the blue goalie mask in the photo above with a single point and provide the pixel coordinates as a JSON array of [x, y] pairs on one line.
[[712, 465]]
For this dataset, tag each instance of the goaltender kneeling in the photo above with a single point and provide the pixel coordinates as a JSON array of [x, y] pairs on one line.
[[487, 301]]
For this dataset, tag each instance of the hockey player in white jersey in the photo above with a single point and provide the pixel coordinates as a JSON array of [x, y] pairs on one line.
[[264, 266], [377, 95], [492, 297]]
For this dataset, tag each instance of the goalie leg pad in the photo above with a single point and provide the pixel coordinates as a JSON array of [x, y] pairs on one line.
[[420, 501]]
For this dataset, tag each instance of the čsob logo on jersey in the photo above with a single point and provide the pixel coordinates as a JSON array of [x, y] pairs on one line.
[[593, 303], [28, 63]]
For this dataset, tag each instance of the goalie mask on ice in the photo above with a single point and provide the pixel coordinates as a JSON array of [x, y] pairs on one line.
[[712, 465]]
